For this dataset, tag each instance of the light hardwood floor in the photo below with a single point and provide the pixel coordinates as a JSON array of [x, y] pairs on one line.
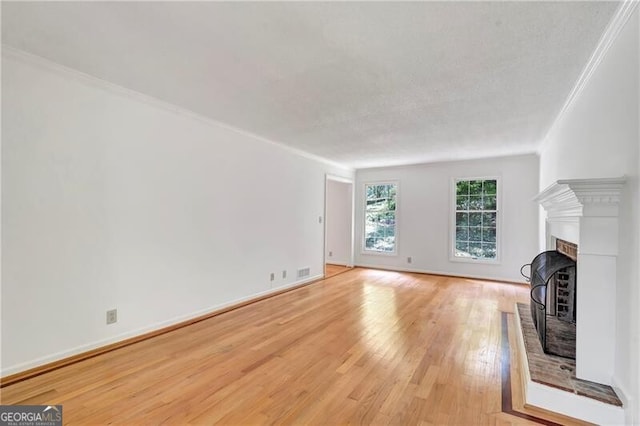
[[365, 347], [331, 270]]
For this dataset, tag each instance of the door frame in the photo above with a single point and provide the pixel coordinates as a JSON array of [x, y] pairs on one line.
[[349, 181]]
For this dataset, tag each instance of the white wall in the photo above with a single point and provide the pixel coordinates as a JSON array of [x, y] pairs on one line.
[[598, 136], [425, 210], [339, 218], [112, 200]]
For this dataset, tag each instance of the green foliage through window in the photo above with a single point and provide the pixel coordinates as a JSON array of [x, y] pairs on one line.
[[380, 217], [476, 219]]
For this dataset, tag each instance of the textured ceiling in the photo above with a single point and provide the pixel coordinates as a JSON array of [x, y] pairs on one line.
[[362, 84]]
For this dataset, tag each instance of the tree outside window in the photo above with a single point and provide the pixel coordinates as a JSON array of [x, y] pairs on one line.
[[476, 219], [380, 217]]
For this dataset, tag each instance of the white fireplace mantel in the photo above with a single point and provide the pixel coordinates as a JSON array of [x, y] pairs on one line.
[[585, 212], [580, 197]]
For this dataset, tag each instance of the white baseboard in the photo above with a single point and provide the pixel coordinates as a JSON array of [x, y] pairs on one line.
[[627, 401], [446, 274], [143, 330]]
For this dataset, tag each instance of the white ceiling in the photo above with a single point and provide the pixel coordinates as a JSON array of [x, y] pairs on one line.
[[362, 84]]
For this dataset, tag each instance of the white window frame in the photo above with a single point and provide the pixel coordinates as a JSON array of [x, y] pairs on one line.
[[452, 222], [364, 249]]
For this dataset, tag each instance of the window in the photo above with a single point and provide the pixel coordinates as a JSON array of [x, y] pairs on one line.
[[476, 220], [380, 217]]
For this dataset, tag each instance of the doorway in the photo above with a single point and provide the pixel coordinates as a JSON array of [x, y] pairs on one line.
[[338, 241]]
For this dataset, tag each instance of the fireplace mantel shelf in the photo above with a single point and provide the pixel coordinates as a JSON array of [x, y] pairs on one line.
[[569, 197]]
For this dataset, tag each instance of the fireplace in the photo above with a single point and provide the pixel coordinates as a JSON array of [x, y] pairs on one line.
[[553, 300], [584, 212], [580, 261]]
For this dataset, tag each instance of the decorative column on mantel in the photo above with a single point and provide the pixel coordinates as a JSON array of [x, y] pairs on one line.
[[585, 212]]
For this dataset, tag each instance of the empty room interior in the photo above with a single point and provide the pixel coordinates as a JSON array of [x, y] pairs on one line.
[[321, 212]]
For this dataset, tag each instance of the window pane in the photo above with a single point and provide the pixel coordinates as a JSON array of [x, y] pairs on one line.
[[392, 191], [372, 226], [475, 202], [462, 202], [388, 218], [462, 233], [462, 248], [489, 219], [382, 231], [475, 187], [475, 219], [489, 235], [475, 249], [371, 217], [475, 233], [384, 191], [390, 204], [370, 222], [489, 202], [462, 187], [488, 251], [390, 231], [371, 232], [369, 242], [375, 205], [371, 192], [489, 187], [462, 219], [384, 244]]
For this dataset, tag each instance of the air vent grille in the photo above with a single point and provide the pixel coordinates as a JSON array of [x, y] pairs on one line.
[[304, 272]]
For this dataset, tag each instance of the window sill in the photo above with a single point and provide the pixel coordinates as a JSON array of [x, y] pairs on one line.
[[475, 260], [378, 253]]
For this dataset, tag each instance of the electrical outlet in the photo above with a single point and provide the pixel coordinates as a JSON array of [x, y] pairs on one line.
[[409, 260], [284, 274], [112, 316], [330, 253], [273, 276]]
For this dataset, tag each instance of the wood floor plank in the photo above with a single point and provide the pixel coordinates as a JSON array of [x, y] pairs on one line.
[[363, 347], [331, 270]]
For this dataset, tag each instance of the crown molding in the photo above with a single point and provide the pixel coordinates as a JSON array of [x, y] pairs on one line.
[[624, 12], [91, 80]]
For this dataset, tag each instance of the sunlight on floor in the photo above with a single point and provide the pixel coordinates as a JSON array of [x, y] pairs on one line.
[[380, 319]]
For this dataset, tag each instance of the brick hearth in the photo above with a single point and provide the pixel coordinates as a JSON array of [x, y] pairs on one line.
[[555, 371]]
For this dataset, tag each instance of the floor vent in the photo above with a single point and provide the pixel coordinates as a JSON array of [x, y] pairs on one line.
[[304, 272]]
